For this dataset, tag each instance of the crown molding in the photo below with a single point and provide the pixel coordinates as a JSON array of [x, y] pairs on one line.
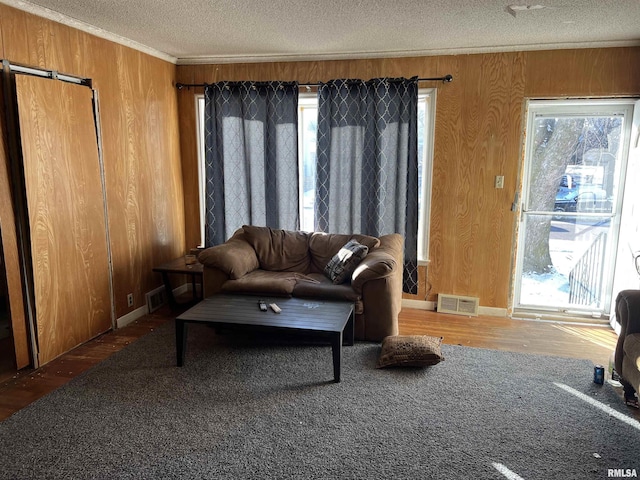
[[85, 27], [307, 57], [224, 59]]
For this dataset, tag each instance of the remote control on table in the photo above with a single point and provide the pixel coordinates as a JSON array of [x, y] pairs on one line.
[[275, 307], [262, 306]]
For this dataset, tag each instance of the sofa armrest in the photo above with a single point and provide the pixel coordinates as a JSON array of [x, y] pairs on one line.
[[375, 265], [381, 262], [379, 282], [212, 281], [235, 258], [628, 311], [628, 315]]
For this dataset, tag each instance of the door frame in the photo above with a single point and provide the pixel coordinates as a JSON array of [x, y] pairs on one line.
[[567, 105], [627, 272]]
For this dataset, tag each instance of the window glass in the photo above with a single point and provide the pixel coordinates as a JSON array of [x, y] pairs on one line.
[[307, 128]]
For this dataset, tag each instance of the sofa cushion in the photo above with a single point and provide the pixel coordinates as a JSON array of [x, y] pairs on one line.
[[262, 281], [323, 246], [343, 263], [235, 257], [410, 351], [279, 250], [631, 348], [316, 285]]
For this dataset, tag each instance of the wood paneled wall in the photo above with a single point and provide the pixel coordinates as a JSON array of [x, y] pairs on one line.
[[140, 138], [478, 135]]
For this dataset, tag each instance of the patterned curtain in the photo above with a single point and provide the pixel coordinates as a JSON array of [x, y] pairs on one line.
[[251, 157], [367, 162]]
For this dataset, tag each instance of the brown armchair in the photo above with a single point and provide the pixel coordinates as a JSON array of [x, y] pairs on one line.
[[627, 354]]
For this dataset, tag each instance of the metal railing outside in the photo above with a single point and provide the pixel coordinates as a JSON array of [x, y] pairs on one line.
[[585, 279]]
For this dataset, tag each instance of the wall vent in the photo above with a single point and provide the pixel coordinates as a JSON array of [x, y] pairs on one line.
[[458, 305], [156, 299]]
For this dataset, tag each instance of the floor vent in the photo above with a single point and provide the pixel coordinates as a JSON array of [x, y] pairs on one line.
[[156, 299], [458, 305]]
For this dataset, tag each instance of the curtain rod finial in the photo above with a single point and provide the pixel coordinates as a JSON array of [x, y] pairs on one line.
[[448, 78]]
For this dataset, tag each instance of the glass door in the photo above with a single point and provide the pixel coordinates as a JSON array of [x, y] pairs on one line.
[[575, 161]]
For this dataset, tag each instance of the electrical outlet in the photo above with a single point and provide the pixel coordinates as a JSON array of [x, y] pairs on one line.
[[499, 181], [130, 300]]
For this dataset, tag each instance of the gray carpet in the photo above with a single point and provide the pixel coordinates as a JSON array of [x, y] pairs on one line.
[[248, 410]]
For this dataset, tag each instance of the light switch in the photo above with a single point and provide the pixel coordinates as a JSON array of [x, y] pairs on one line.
[[499, 181]]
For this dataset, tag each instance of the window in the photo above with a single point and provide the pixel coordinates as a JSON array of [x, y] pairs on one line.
[[201, 163], [307, 127], [426, 123]]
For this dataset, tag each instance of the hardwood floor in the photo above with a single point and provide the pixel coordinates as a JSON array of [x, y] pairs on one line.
[[592, 343], [28, 385], [527, 336]]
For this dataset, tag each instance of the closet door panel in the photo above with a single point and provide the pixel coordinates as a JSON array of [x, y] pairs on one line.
[[11, 258], [66, 214]]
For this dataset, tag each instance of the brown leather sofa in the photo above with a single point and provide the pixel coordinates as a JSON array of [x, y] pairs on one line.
[[265, 261], [627, 355]]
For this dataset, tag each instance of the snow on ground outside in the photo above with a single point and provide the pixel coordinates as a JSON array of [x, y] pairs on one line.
[[567, 243]]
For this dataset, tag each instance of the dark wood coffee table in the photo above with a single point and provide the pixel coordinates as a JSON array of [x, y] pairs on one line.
[[317, 319]]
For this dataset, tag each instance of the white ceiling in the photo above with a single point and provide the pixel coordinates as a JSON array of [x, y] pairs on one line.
[[211, 31]]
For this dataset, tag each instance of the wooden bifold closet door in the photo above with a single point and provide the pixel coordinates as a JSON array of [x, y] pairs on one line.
[[66, 213]]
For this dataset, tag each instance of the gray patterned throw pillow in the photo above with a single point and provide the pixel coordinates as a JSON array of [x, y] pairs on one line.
[[343, 263]]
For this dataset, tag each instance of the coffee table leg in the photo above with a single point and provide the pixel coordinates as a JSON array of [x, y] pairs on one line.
[[181, 341], [336, 350], [349, 330]]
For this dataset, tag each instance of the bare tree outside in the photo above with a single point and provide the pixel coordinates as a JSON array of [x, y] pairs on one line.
[[558, 143], [555, 143]]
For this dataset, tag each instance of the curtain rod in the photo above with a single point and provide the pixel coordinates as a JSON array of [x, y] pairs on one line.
[[445, 79]]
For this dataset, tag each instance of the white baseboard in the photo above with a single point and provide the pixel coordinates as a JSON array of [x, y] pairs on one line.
[[418, 304], [131, 317], [426, 305]]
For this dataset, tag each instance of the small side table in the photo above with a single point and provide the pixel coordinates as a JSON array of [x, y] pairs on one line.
[[179, 267]]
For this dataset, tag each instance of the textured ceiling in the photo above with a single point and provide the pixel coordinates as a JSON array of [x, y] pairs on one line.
[[249, 30]]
